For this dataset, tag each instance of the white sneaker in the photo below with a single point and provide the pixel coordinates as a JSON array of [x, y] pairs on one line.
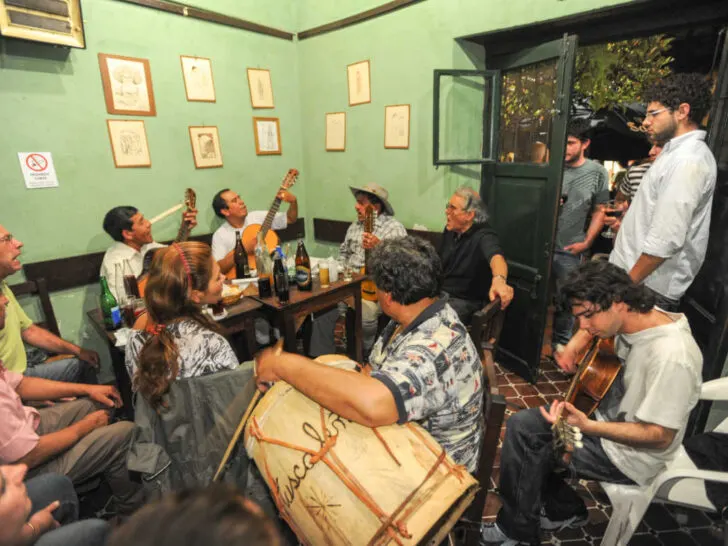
[[490, 533]]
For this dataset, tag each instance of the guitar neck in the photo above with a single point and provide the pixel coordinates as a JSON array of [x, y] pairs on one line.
[[268, 222], [588, 357]]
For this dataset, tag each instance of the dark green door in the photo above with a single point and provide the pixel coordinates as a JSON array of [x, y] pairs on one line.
[[522, 187]]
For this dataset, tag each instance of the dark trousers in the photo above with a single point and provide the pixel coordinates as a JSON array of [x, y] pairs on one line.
[[663, 302], [528, 479], [464, 308]]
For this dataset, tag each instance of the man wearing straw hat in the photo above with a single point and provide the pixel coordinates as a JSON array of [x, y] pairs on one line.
[[352, 255], [132, 234]]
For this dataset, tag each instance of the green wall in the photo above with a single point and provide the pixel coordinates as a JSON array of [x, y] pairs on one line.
[[51, 99]]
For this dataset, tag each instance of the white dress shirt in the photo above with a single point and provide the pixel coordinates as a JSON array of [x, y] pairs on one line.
[[223, 240], [116, 254], [670, 215]]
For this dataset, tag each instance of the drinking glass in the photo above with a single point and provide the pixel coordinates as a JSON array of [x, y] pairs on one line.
[[613, 209]]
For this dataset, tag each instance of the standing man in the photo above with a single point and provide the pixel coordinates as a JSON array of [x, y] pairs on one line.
[[632, 179], [230, 207], [473, 265], [20, 329], [585, 185], [663, 236], [352, 254], [641, 420], [133, 235]]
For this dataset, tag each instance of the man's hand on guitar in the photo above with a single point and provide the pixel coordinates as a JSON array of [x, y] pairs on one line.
[[573, 416], [369, 240], [190, 217], [285, 195], [566, 358]]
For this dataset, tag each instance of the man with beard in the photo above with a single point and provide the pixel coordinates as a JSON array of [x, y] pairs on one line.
[[664, 235], [585, 185], [133, 235]]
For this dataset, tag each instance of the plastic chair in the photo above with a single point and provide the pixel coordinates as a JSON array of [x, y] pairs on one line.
[[681, 483]]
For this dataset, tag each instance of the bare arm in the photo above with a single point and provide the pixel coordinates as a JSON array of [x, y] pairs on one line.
[[351, 395], [292, 214], [499, 287], [227, 263], [43, 339], [595, 227], [50, 445], [644, 266], [640, 435], [36, 388]]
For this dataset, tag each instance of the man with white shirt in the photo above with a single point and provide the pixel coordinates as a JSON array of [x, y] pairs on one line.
[[132, 234], [230, 207], [663, 237]]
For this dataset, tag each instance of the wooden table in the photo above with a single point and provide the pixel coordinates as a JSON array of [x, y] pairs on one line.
[[240, 318], [289, 315]]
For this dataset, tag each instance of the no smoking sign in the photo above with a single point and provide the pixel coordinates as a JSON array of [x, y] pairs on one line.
[[38, 170]]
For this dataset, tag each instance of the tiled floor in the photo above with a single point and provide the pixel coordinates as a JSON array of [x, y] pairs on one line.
[[661, 526]]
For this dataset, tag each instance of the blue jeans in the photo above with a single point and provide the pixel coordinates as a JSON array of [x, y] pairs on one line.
[[69, 370], [43, 490], [563, 264], [528, 480]]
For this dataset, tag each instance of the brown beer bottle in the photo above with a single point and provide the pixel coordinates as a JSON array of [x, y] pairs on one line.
[[303, 268], [242, 270]]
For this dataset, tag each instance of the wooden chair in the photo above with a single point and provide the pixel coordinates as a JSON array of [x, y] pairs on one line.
[[485, 331], [39, 288]]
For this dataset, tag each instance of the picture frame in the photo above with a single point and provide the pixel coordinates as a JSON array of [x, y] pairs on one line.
[[261, 88], [206, 150], [397, 126], [129, 145], [359, 82], [336, 132], [198, 79], [127, 85], [267, 136]]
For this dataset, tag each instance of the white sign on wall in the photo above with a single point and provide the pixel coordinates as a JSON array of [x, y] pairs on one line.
[[38, 170]]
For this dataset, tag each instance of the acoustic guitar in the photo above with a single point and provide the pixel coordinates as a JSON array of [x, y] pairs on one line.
[[250, 233], [368, 288], [597, 370], [183, 233]]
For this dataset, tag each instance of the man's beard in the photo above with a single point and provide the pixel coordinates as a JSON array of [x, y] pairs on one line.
[[667, 133]]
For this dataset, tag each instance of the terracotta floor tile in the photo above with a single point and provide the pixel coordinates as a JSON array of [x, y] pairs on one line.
[[515, 378], [508, 391], [492, 505], [534, 401], [526, 390]]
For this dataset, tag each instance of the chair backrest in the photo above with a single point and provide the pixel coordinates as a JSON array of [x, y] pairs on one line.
[[485, 330], [39, 288]]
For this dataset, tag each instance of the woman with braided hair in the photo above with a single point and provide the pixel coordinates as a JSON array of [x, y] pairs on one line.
[[179, 341]]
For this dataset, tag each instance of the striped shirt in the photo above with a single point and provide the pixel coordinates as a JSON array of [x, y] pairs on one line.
[[632, 180], [585, 186], [385, 227]]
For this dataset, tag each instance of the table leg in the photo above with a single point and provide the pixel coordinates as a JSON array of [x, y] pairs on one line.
[[123, 382], [358, 331], [288, 331], [250, 341]]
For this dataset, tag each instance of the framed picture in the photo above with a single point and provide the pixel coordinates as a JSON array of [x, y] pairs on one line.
[[261, 88], [205, 147], [267, 136], [127, 85], [197, 74], [397, 126], [336, 132], [358, 78], [129, 143]]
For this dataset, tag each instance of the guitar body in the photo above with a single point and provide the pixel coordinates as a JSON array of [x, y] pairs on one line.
[[250, 239], [368, 288], [598, 368], [596, 378]]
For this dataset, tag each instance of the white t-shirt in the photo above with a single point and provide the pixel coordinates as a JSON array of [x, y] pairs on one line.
[[116, 254], [223, 240], [660, 383]]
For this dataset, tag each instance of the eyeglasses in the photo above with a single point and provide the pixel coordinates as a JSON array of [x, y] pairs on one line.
[[654, 113], [451, 208], [6, 238]]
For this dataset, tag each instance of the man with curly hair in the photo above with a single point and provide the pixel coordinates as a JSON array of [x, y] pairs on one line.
[[640, 423], [664, 235]]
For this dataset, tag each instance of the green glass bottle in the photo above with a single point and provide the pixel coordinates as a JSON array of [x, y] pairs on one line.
[[109, 307]]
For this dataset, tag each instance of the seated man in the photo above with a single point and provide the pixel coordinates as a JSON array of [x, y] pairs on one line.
[[19, 328], [133, 235], [230, 207], [425, 367], [352, 254], [472, 262], [641, 420], [71, 438]]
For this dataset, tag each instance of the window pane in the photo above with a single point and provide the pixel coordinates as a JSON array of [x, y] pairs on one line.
[[462, 99], [528, 96]]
